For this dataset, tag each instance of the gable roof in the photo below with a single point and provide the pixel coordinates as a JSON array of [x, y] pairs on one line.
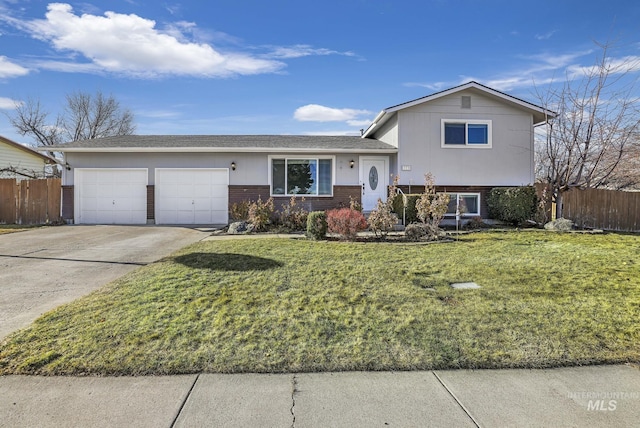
[[540, 114], [226, 144], [27, 150]]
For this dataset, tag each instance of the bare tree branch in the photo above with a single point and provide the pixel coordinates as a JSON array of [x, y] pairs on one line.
[[593, 140], [84, 117]]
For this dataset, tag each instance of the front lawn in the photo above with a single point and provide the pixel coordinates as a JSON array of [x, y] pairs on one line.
[[283, 305]]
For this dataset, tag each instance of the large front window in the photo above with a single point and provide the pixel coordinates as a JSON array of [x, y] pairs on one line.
[[461, 133], [298, 176]]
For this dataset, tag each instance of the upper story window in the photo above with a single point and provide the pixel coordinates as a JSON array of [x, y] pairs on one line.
[[301, 176], [466, 133]]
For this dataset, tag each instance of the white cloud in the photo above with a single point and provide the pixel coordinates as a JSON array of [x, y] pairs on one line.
[[546, 35], [540, 69], [9, 69], [364, 122], [159, 114], [8, 103], [626, 64], [132, 45], [435, 86], [318, 113], [298, 51]]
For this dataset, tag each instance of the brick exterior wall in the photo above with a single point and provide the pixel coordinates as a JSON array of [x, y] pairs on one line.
[[67, 203], [340, 197], [151, 202]]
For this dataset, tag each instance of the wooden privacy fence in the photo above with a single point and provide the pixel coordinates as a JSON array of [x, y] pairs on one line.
[[30, 201], [603, 209]]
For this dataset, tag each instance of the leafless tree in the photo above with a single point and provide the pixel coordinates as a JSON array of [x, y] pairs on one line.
[[84, 117], [12, 171], [592, 140]]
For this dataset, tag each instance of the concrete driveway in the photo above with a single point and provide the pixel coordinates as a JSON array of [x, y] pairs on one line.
[[46, 267]]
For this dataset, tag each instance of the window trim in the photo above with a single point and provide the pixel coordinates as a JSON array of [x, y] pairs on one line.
[[286, 158], [465, 214], [466, 123]]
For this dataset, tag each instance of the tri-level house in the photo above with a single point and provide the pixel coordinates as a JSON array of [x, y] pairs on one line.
[[471, 138]]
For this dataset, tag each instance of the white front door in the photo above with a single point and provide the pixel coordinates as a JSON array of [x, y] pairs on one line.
[[374, 179]]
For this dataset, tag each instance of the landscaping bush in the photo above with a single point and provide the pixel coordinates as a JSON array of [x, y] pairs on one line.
[[239, 211], [293, 216], [317, 225], [345, 222], [260, 213], [475, 222], [512, 204], [432, 206], [422, 231], [381, 220], [410, 211], [354, 204]]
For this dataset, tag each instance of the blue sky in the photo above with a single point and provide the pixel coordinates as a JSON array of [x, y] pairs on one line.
[[292, 67]]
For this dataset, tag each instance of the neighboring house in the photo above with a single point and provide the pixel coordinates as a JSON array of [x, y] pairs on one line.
[[471, 137], [21, 162]]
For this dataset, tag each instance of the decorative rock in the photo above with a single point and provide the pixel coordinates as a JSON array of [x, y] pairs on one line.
[[561, 225], [240, 228]]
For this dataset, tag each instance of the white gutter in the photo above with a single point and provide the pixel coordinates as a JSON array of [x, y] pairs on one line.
[[374, 124]]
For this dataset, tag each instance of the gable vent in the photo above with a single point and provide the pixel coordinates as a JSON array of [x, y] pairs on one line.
[[466, 101]]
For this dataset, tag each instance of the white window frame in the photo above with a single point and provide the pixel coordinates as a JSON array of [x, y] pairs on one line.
[[464, 214], [466, 144], [286, 158]]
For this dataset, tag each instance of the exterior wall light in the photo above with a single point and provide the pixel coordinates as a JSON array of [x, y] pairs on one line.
[[351, 163], [233, 166]]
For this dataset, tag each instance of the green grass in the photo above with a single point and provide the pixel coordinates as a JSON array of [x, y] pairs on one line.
[[282, 305]]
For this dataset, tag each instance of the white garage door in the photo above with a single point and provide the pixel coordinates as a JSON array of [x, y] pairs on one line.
[[110, 196], [192, 196]]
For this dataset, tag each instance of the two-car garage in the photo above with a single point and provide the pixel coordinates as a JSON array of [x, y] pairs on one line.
[[180, 196]]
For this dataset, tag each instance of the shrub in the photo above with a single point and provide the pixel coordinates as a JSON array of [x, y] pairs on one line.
[[409, 211], [354, 204], [239, 211], [422, 231], [512, 204], [317, 225], [293, 216], [345, 222], [431, 206], [260, 213], [475, 222], [381, 220]]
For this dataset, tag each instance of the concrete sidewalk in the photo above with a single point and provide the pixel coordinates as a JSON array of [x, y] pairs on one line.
[[584, 396]]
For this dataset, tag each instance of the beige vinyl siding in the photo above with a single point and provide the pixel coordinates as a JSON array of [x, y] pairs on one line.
[[251, 168], [509, 161], [388, 133], [13, 157]]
